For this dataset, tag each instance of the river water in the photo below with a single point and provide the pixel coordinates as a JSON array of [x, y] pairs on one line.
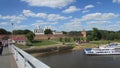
[[77, 59]]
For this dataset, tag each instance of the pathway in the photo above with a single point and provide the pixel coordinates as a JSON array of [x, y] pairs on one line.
[[7, 60]]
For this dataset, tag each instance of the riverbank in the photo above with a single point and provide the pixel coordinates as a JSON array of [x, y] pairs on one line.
[[56, 49], [60, 48], [42, 51]]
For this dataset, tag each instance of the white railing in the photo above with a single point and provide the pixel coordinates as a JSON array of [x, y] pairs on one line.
[[25, 60]]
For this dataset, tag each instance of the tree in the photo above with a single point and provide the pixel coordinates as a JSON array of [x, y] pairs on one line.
[[64, 32], [21, 31], [30, 36], [60, 39], [26, 31], [48, 31], [3, 31], [96, 34]]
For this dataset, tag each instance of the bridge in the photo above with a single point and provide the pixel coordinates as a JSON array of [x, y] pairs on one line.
[[14, 57]]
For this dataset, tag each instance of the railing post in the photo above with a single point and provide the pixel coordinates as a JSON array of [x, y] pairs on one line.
[[25, 62], [16, 55]]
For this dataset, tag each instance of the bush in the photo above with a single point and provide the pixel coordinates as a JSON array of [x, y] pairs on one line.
[[28, 44]]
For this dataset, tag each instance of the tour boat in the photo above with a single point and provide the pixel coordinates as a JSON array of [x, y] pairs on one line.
[[109, 49]]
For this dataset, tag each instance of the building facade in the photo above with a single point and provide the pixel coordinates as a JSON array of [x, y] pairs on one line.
[[40, 31]]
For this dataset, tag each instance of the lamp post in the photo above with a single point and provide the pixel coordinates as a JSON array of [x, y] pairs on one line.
[[12, 32]]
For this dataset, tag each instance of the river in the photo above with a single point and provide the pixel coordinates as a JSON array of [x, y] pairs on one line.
[[77, 59]]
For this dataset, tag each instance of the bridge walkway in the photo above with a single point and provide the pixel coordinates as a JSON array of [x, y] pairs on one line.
[[6, 59]]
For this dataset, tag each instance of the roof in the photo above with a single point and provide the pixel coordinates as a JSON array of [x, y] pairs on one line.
[[19, 38]]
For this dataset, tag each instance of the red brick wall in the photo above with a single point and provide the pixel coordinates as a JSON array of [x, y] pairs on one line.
[[40, 37]]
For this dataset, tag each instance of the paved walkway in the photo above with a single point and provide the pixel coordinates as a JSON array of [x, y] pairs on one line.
[[7, 60]]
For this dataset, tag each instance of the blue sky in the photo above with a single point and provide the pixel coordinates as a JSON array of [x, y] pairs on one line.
[[60, 15]]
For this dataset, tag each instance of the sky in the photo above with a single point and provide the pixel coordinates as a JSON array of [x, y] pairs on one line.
[[60, 15]]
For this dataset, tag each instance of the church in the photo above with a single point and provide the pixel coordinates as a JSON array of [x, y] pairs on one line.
[[39, 31]]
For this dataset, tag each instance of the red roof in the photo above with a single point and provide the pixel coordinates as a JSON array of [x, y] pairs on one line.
[[19, 38]]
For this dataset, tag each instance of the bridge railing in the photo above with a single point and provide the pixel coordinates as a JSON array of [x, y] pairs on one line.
[[25, 60]]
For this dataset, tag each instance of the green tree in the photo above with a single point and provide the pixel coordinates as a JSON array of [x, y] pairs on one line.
[[26, 31], [48, 31], [30, 36], [96, 34], [64, 32], [60, 39], [3, 31], [21, 31]]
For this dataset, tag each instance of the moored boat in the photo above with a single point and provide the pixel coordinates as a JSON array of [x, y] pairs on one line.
[[109, 49]]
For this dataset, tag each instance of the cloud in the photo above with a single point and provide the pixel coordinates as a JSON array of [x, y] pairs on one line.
[[87, 7], [99, 16], [88, 21], [49, 3], [40, 22], [74, 24], [118, 22], [21, 27], [13, 18], [116, 1], [55, 17], [99, 3], [85, 11], [49, 17], [4, 24], [71, 9], [98, 22], [29, 13]]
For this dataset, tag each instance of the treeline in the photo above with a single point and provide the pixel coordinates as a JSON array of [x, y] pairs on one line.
[[96, 34], [15, 32], [3, 31], [29, 34]]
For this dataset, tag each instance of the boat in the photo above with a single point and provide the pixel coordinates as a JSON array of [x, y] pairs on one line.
[[108, 49]]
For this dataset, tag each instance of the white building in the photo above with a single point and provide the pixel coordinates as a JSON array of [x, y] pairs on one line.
[[38, 30], [57, 32]]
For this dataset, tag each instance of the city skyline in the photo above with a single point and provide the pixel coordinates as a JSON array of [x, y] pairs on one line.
[[60, 15]]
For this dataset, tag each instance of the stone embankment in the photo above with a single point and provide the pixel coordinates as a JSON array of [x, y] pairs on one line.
[[49, 49]]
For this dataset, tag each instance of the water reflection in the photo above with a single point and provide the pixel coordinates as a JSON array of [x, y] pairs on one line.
[[77, 59]]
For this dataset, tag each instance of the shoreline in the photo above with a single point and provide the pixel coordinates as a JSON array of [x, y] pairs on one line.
[[44, 54]]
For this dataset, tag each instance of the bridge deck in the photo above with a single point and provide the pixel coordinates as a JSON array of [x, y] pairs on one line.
[[7, 60]]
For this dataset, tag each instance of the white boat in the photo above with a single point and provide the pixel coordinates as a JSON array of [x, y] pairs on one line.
[[109, 49]]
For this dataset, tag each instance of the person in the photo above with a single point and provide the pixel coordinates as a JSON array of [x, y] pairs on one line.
[[1, 48]]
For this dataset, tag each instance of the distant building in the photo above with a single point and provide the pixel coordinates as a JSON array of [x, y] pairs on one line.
[[83, 33], [57, 33], [38, 31], [19, 39]]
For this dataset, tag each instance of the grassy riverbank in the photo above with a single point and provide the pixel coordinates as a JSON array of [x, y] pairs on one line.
[[44, 48], [48, 43]]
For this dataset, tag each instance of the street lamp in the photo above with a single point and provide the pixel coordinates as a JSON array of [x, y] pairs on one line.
[[12, 32]]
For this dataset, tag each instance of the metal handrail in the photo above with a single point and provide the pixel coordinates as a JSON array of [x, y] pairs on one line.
[[25, 60]]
